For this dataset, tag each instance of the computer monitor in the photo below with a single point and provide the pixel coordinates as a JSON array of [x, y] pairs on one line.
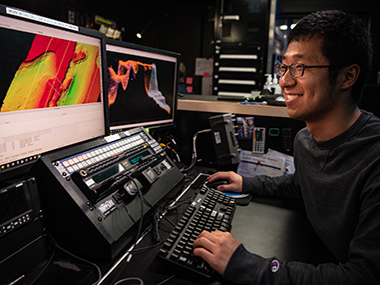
[[51, 87], [142, 86]]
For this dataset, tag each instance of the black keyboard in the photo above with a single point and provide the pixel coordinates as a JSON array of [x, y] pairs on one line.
[[210, 210]]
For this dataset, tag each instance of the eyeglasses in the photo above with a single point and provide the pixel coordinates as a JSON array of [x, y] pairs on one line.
[[296, 69]]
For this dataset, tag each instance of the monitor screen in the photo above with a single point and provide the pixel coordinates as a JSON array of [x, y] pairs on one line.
[[142, 86], [50, 86]]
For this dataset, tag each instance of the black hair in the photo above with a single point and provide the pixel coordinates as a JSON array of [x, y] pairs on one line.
[[346, 41]]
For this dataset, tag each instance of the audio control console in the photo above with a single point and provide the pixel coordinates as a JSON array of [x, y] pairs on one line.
[[89, 193]]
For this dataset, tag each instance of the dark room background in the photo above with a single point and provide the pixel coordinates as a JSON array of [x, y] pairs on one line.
[[186, 26]]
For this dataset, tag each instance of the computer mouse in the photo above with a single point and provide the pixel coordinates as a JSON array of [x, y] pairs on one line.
[[216, 183]]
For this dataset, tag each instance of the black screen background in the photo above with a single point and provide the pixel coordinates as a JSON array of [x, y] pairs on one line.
[[133, 106]]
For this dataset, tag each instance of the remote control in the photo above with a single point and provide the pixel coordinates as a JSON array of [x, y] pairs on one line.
[[258, 140]]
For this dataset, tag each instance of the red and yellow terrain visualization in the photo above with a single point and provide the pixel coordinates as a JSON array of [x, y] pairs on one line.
[[55, 73], [128, 69]]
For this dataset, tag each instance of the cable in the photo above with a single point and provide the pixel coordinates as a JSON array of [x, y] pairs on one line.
[[45, 267], [178, 205], [156, 219], [81, 259], [137, 250], [166, 280], [126, 254], [172, 149], [129, 279], [142, 207], [194, 155], [129, 214], [156, 234], [138, 238]]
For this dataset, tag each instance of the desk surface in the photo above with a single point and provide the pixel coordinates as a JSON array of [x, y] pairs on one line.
[[203, 103], [267, 226]]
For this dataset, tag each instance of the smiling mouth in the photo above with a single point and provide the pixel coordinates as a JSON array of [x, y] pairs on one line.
[[293, 97]]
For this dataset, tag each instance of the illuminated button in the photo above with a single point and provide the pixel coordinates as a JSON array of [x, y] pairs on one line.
[[70, 169], [75, 167], [65, 164], [85, 156], [70, 161], [75, 159]]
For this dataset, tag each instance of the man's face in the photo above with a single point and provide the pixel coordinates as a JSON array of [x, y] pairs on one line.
[[311, 96]]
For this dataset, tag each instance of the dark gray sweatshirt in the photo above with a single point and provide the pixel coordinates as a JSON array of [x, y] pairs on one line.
[[339, 183]]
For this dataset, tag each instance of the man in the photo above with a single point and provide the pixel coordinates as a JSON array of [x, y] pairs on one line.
[[337, 161]]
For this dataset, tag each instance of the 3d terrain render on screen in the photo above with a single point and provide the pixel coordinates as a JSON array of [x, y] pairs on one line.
[[51, 91], [56, 72], [129, 70]]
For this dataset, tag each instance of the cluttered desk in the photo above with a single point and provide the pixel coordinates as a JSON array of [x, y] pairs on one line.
[[267, 226]]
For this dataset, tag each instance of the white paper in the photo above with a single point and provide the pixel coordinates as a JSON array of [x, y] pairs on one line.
[[204, 65], [252, 164], [289, 160]]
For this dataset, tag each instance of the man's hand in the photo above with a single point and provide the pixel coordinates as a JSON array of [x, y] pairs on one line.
[[235, 181], [216, 248]]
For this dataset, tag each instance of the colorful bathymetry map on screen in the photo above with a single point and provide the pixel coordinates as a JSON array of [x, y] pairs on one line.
[[126, 72], [56, 72]]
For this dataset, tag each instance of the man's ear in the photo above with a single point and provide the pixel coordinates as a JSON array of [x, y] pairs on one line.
[[349, 76]]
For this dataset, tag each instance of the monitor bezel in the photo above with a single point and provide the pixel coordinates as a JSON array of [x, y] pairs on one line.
[[152, 125]]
